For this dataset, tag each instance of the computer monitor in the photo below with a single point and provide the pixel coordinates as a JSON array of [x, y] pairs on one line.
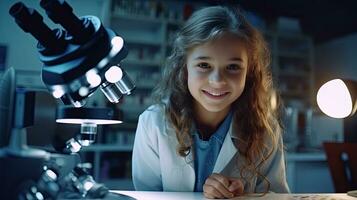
[[7, 98]]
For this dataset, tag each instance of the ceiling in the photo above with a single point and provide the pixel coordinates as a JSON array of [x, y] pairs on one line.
[[324, 20]]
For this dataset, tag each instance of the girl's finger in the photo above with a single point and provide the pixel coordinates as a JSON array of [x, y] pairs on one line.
[[211, 192], [236, 187], [217, 185]]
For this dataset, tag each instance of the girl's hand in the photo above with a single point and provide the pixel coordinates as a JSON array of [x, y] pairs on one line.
[[219, 186]]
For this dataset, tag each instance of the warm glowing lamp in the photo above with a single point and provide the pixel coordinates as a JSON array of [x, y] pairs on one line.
[[337, 98]]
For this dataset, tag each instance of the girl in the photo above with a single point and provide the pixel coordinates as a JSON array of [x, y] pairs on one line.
[[213, 129]]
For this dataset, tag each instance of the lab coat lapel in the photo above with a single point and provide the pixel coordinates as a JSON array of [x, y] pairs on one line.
[[190, 171], [181, 177], [228, 150], [182, 173], [189, 160]]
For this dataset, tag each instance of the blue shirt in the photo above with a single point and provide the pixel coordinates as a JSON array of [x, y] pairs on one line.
[[206, 152]]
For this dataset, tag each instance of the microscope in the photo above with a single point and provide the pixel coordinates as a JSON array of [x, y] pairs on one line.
[[77, 60]]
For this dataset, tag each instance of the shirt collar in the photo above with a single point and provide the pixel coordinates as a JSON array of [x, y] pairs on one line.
[[222, 130]]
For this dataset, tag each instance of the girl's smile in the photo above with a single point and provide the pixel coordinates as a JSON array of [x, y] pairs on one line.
[[215, 95]]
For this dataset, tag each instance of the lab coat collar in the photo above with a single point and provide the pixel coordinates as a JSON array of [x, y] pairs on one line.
[[225, 155], [228, 150]]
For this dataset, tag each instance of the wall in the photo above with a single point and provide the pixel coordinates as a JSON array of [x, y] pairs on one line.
[[337, 59]]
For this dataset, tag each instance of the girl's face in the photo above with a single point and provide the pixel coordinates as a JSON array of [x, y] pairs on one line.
[[216, 73]]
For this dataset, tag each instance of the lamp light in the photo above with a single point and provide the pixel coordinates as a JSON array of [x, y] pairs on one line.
[[337, 98]]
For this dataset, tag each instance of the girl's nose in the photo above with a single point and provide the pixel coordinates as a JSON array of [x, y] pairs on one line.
[[216, 78]]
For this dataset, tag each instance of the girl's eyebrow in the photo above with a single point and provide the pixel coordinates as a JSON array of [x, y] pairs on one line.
[[236, 59], [209, 58], [202, 58]]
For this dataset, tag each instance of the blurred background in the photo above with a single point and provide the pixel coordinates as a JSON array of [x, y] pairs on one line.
[[311, 41]]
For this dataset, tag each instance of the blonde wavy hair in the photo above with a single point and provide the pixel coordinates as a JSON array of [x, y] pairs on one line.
[[257, 121]]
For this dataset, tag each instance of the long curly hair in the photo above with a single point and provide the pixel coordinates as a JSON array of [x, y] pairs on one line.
[[253, 113]]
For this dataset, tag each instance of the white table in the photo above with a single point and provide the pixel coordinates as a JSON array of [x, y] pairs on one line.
[[199, 196]]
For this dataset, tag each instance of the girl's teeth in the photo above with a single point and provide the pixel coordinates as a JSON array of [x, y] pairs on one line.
[[216, 94]]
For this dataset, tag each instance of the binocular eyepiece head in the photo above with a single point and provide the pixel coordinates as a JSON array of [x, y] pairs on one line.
[[60, 12], [77, 58], [30, 21]]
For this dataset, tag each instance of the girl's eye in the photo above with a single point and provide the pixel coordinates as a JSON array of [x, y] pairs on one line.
[[233, 67], [203, 65]]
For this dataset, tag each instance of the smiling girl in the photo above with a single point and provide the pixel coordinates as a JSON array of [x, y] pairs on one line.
[[213, 129]]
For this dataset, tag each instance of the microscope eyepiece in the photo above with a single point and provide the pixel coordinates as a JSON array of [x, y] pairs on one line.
[[32, 22], [61, 13]]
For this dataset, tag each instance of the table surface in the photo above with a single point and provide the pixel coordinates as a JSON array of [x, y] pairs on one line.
[[141, 195]]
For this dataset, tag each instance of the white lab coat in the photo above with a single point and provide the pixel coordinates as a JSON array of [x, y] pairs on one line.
[[157, 166]]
